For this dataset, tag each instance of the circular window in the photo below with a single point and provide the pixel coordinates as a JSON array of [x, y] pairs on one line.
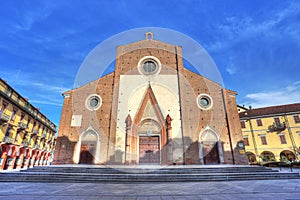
[[93, 102], [149, 65], [204, 101]]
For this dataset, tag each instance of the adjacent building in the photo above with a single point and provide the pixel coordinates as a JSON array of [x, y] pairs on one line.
[[27, 136], [150, 110], [271, 133]]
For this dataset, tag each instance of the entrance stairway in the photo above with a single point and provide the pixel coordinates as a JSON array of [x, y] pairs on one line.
[[119, 174]]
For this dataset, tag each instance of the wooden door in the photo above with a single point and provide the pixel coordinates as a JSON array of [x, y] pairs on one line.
[[149, 152], [211, 153], [87, 152]]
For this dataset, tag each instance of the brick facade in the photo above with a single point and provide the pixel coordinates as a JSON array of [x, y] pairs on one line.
[[148, 100]]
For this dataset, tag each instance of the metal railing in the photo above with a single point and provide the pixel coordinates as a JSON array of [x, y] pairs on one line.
[[9, 140], [22, 125], [25, 143], [4, 117], [277, 127]]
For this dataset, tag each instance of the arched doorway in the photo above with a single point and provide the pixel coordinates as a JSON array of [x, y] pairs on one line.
[[251, 157], [149, 142], [286, 156], [210, 149], [89, 141], [267, 156], [3, 155]]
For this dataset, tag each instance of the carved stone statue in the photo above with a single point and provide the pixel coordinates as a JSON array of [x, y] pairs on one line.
[[168, 122], [128, 122]]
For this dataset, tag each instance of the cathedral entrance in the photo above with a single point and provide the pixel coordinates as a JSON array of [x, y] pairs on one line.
[[210, 150], [87, 152], [211, 153], [88, 146], [149, 150]]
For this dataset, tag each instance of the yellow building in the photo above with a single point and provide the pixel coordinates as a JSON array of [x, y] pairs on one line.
[[271, 133], [26, 135]]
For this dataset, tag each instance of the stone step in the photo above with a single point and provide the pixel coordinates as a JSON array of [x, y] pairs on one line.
[[66, 177], [149, 170], [143, 174]]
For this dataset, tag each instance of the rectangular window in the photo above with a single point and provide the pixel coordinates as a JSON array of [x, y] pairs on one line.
[[34, 124], [22, 116], [8, 92], [246, 141], [8, 131], [4, 106], [259, 122], [28, 121], [263, 139], [13, 114], [282, 139], [277, 121], [298, 132], [296, 118], [243, 124]]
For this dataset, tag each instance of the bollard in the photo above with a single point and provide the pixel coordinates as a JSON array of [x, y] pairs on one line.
[[280, 166]]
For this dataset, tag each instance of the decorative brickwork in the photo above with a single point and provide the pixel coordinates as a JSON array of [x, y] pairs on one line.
[[136, 106]]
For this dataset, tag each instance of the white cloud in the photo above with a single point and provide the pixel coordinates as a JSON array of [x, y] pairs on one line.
[[45, 103], [39, 92], [231, 70], [49, 87], [27, 80], [237, 29], [287, 95], [34, 15]]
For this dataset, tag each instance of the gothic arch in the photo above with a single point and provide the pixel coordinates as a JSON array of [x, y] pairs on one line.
[[210, 147], [157, 129]]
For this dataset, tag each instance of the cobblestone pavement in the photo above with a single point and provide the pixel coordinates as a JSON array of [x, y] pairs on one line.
[[258, 189]]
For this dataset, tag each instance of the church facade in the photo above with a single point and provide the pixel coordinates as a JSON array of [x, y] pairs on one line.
[[150, 110]]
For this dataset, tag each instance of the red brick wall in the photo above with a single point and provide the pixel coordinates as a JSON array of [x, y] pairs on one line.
[[193, 119]]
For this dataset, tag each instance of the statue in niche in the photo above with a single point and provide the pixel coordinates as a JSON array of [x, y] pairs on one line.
[[128, 122], [168, 122]]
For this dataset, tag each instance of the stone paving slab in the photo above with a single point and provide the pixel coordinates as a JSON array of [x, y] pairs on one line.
[[233, 190]]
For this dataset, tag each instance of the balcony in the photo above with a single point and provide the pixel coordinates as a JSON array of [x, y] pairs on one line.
[[22, 126], [25, 144], [8, 140], [36, 146], [35, 132], [277, 127], [43, 136], [4, 118]]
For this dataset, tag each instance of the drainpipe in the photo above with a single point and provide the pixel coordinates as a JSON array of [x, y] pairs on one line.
[[253, 137]]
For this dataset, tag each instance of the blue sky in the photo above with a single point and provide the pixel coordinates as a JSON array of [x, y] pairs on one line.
[[255, 44]]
